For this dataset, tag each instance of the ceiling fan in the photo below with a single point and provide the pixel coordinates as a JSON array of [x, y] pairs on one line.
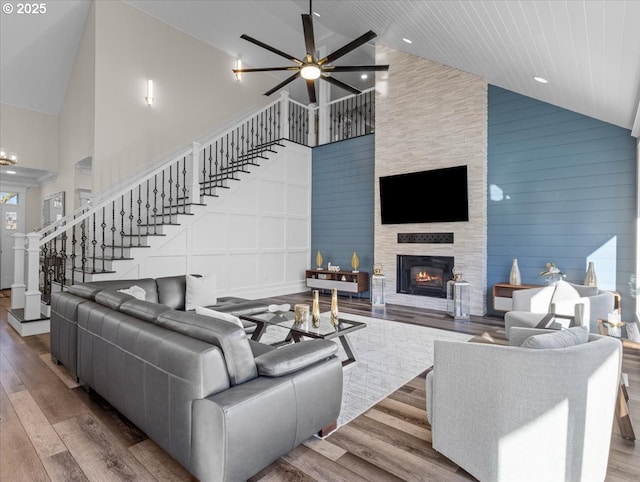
[[311, 67]]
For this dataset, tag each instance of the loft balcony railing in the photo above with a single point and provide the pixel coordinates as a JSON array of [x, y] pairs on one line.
[[87, 241]]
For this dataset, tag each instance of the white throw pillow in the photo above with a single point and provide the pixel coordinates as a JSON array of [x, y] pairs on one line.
[[564, 292], [135, 291], [201, 310], [200, 291]]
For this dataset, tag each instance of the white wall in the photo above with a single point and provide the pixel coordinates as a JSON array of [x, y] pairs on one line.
[[195, 91], [31, 135], [256, 237], [429, 116]]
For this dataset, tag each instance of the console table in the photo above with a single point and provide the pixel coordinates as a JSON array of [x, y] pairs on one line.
[[346, 281]]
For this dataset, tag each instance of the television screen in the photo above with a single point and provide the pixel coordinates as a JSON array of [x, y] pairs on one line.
[[435, 196]]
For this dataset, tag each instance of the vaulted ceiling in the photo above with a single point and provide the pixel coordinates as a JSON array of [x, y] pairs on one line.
[[589, 50]]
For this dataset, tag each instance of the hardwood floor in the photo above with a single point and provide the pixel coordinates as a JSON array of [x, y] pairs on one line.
[[51, 431]]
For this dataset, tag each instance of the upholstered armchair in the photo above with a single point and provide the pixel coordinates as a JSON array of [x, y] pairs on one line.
[[506, 413], [586, 304]]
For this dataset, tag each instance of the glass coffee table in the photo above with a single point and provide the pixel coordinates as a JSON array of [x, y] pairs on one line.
[[298, 331]]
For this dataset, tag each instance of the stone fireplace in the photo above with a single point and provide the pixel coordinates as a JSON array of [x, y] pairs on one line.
[[423, 275]]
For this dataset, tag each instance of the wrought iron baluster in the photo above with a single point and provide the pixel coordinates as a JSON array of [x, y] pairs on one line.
[[155, 204], [62, 275], [103, 245], [83, 247], [162, 197], [177, 193], [122, 231], [73, 253], [147, 206], [170, 207], [130, 217], [139, 220], [184, 182], [94, 242]]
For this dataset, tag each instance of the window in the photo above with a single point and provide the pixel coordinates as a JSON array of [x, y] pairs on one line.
[[8, 198]]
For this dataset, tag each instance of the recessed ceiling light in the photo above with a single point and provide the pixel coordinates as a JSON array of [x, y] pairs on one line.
[[542, 80], [406, 40], [364, 76], [11, 172], [317, 14]]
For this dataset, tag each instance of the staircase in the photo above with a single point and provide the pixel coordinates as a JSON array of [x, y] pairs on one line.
[[104, 240]]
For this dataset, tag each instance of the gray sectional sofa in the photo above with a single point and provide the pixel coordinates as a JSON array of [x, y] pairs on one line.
[[221, 404]]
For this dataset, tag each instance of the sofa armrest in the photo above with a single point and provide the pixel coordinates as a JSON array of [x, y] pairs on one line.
[[294, 357]]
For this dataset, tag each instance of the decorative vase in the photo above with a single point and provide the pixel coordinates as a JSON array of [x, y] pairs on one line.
[[590, 278], [315, 309], [355, 262], [514, 276], [335, 320], [319, 259]]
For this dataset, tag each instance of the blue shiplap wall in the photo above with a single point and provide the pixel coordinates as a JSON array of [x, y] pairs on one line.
[[561, 188], [342, 207]]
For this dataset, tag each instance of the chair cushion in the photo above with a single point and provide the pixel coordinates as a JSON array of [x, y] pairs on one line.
[[585, 290], [558, 339]]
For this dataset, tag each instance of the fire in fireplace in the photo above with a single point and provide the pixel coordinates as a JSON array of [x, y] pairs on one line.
[[424, 275]]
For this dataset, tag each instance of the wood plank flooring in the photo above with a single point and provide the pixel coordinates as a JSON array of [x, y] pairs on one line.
[[51, 431]]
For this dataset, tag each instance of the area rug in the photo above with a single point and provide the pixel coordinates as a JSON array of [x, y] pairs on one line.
[[389, 355]]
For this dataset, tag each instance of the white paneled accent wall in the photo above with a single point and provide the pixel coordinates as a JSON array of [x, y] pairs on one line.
[[429, 116], [256, 237]]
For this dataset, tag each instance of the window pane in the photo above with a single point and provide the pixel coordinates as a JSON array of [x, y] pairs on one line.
[[11, 220], [8, 198]]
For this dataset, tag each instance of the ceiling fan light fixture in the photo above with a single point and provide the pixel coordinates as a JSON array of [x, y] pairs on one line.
[[310, 71]]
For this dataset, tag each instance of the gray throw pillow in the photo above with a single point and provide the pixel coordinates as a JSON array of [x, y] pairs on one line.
[[558, 339]]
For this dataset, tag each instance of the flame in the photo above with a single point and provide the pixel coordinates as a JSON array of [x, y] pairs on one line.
[[425, 277]]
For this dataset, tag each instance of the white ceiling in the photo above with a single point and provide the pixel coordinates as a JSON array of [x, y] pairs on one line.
[[588, 49]]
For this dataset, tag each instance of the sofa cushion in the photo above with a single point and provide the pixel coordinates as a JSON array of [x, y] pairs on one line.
[[90, 290], [229, 338], [171, 291], [201, 310], [144, 310], [112, 299], [558, 339], [200, 291]]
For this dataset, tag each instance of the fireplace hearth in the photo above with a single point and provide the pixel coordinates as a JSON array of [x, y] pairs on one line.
[[424, 275]]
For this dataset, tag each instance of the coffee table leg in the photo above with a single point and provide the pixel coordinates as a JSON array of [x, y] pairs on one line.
[[348, 349], [258, 332]]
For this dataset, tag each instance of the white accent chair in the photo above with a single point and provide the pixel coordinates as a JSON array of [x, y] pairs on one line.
[[585, 304], [509, 413]]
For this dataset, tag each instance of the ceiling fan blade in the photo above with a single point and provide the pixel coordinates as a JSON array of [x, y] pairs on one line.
[[339, 83], [309, 41], [271, 49], [354, 44], [356, 68], [311, 90], [265, 69], [283, 83]]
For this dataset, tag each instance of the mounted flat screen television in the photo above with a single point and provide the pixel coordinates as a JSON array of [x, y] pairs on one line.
[[416, 197]]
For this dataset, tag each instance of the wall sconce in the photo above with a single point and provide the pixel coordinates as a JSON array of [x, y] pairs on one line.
[[239, 67], [149, 97]]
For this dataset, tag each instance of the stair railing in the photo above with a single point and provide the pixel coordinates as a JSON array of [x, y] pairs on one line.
[[87, 240]]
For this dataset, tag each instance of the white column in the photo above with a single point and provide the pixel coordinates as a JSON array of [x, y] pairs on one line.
[[18, 287], [194, 188], [32, 295], [323, 113], [284, 114], [313, 113]]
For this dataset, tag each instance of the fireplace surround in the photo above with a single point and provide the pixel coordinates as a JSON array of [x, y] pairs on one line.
[[423, 275]]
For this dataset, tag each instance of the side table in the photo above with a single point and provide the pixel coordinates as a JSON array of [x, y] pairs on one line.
[[622, 405]]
